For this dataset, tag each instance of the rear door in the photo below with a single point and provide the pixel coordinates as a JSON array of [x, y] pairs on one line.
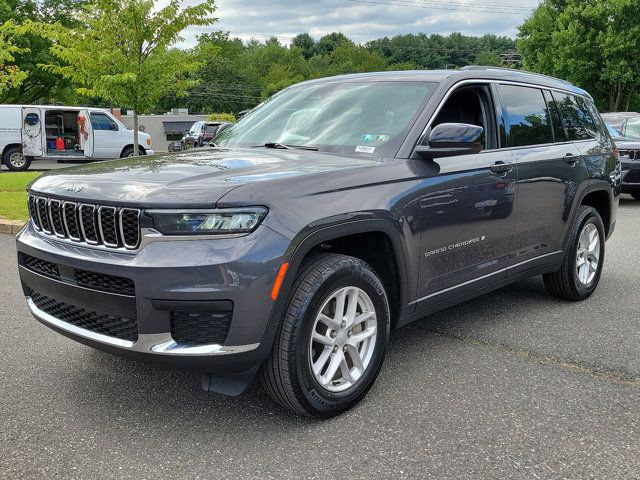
[[550, 169], [33, 137]]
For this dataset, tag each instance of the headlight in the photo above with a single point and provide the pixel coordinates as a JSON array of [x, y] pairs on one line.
[[208, 222]]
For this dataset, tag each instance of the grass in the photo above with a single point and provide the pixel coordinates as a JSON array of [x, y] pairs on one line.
[[13, 197]]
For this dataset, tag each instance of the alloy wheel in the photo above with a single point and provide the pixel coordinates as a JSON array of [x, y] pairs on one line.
[[588, 254], [343, 339]]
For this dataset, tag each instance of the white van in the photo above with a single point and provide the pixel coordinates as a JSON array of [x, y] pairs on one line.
[[30, 132]]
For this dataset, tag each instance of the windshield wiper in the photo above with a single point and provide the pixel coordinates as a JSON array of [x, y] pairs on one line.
[[290, 147]]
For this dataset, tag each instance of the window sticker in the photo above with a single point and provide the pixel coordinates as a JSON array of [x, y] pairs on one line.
[[374, 138], [365, 149]]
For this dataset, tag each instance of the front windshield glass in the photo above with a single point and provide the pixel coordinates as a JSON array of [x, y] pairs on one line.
[[633, 128], [369, 118]]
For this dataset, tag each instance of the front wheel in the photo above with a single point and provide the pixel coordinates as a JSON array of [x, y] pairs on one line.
[[581, 267], [128, 152], [331, 343], [15, 160]]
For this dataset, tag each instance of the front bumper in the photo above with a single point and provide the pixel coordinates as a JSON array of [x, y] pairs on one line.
[[170, 276], [631, 176]]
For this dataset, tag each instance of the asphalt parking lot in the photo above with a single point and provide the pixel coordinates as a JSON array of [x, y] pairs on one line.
[[511, 385]]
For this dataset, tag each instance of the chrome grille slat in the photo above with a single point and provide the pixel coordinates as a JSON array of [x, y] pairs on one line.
[[108, 226], [70, 218], [95, 225]]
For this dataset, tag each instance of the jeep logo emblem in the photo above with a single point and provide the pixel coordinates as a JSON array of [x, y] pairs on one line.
[[75, 188]]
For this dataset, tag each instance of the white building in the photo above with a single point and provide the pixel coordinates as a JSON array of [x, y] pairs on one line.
[[165, 128]]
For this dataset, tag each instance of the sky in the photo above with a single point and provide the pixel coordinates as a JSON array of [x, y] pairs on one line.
[[363, 20]]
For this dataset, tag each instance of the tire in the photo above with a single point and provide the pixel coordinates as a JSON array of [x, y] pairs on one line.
[[288, 376], [636, 196], [15, 161], [567, 283], [128, 152]]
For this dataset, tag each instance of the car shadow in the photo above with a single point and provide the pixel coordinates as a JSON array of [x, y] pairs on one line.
[[173, 400]]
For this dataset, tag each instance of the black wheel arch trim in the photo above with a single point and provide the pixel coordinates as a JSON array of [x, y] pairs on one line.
[[584, 190], [307, 239]]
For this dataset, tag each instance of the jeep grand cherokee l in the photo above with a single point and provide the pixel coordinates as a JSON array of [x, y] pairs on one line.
[[339, 209]]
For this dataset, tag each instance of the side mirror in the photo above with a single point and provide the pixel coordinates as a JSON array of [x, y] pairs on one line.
[[449, 139], [113, 126]]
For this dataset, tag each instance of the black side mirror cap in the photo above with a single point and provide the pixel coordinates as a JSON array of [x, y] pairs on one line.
[[449, 139]]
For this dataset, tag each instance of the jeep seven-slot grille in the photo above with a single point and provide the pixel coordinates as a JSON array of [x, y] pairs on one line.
[[110, 325], [112, 227]]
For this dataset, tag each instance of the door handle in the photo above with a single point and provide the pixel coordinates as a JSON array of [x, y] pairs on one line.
[[501, 167], [570, 158]]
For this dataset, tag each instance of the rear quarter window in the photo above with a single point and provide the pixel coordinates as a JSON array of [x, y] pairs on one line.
[[577, 120]]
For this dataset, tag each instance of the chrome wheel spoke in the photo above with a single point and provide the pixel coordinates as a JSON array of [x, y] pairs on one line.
[[343, 339], [588, 254]]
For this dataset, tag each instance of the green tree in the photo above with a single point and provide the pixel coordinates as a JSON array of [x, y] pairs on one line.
[[593, 44], [329, 42], [490, 59], [123, 51], [39, 85], [10, 74], [306, 44]]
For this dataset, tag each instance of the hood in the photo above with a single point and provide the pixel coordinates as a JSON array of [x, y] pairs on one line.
[[195, 178], [627, 143]]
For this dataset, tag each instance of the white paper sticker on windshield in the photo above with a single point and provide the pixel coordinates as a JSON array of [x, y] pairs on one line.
[[364, 149]]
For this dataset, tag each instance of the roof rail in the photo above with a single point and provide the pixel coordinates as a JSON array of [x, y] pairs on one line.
[[513, 70]]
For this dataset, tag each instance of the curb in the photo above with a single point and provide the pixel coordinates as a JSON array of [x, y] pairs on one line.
[[11, 227]]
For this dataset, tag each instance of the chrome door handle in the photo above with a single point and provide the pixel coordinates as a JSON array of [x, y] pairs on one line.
[[501, 167]]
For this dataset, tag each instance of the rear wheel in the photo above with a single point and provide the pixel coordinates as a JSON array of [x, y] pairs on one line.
[[331, 344], [15, 160], [581, 267]]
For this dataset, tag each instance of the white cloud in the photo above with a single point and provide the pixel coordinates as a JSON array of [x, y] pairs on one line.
[[362, 21]]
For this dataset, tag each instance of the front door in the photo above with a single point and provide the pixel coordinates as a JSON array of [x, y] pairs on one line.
[[466, 205], [85, 133], [33, 137], [107, 137]]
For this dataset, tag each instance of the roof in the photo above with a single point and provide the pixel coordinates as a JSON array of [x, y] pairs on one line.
[[467, 73]]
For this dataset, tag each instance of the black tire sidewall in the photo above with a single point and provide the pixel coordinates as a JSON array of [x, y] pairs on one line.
[[590, 216], [322, 401], [7, 160]]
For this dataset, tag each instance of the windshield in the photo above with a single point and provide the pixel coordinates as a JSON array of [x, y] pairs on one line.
[[369, 118], [633, 128], [613, 132]]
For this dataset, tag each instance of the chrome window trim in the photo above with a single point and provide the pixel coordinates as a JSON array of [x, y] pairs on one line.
[[457, 85], [102, 208]]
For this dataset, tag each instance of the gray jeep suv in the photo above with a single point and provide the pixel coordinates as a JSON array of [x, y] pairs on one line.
[[337, 210]]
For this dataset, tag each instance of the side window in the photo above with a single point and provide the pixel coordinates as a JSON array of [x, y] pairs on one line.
[[528, 121], [467, 106], [576, 118], [556, 121], [100, 121]]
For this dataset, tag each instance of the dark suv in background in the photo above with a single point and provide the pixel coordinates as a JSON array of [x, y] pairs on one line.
[[338, 210], [201, 133], [629, 151]]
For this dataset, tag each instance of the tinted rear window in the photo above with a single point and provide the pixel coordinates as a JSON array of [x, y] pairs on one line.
[[576, 117], [528, 121]]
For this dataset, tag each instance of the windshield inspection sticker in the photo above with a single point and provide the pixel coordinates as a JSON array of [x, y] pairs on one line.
[[365, 149], [375, 138]]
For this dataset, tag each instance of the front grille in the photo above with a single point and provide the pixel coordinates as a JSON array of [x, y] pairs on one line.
[[632, 154], [104, 282], [41, 266], [200, 328], [111, 227], [110, 325], [632, 177]]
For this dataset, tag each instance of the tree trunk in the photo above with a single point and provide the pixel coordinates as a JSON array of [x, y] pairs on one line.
[[135, 134], [628, 103]]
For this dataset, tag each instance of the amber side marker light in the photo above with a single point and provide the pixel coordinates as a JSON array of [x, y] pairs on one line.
[[278, 283]]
